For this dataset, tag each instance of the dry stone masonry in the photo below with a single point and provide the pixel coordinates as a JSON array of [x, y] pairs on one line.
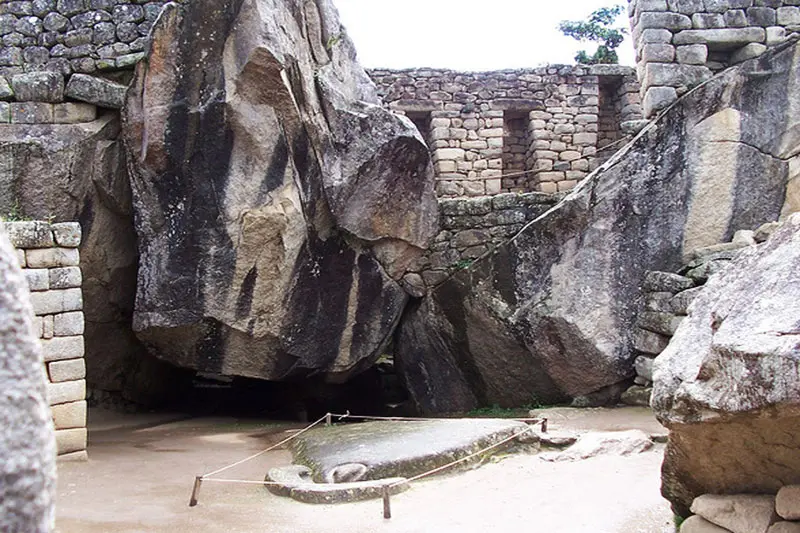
[[471, 227], [746, 513], [681, 43], [69, 36], [48, 255], [540, 129]]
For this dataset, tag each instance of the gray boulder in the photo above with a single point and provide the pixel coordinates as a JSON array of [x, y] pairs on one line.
[[27, 442], [277, 204], [550, 314], [727, 385]]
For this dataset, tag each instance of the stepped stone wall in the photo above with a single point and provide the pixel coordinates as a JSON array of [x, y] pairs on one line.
[[681, 43], [49, 257], [541, 129]]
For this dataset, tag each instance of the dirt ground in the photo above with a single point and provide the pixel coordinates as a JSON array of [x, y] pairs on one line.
[[141, 468]]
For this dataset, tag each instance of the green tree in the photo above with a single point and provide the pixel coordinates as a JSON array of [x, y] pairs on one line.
[[598, 28]]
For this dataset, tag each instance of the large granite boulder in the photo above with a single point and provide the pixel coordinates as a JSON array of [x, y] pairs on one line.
[[27, 441], [549, 315], [728, 384], [77, 172], [277, 204]]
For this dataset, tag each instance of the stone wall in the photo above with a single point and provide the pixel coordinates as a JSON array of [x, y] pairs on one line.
[[69, 36], [471, 227], [681, 43], [49, 257], [514, 130]]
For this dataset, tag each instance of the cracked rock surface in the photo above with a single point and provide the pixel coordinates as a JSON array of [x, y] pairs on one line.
[[277, 205], [727, 385]]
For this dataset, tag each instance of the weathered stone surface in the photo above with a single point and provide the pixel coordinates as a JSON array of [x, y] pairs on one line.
[[637, 395], [657, 99], [787, 502], [296, 483], [748, 51], [38, 87], [729, 375], [398, 448], [27, 472], [33, 234], [550, 314], [785, 527], [698, 524], [277, 203], [604, 443], [96, 91], [70, 440], [744, 513]]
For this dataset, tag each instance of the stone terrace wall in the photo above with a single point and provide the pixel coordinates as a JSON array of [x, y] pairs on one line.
[[70, 36], [513, 130], [48, 255], [680, 43], [472, 227]]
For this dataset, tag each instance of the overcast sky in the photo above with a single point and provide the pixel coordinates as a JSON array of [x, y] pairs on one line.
[[467, 34]]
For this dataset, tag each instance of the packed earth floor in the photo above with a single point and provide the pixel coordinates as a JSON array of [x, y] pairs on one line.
[[139, 478]]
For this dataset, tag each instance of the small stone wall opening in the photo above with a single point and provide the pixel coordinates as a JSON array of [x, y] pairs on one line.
[[515, 147], [422, 120], [608, 130]]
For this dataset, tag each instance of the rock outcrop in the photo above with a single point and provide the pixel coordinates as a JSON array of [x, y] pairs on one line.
[[77, 172], [549, 315], [277, 204], [27, 442], [727, 385]]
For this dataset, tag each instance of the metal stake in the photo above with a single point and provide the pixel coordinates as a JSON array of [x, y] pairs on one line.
[[328, 419], [195, 491], [387, 505], [544, 425]]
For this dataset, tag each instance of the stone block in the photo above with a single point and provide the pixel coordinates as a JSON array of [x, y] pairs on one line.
[[649, 342], [787, 502], [784, 527], [56, 301], [66, 392], [67, 234], [692, 54], [698, 524], [748, 51], [72, 113], [743, 513], [584, 139], [644, 367], [34, 234], [721, 39], [70, 440], [735, 18], [775, 35], [68, 370], [455, 154], [679, 304], [38, 87], [65, 278], [38, 279], [721, 6], [655, 35], [6, 92], [96, 91], [650, 5], [761, 16], [674, 75], [657, 53], [31, 113], [703, 21], [788, 16], [5, 112], [62, 348], [21, 258], [47, 327], [52, 257], [687, 7], [667, 21], [491, 132], [657, 99]]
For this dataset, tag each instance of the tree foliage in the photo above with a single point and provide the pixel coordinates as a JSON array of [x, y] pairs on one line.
[[598, 28]]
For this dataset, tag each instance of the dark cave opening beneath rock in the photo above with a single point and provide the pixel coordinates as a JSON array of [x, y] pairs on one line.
[[378, 391]]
